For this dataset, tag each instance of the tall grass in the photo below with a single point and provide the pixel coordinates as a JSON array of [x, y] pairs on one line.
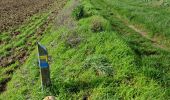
[[105, 61]]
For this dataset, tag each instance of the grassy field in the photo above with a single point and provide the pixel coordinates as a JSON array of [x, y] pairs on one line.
[[100, 57], [149, 15]]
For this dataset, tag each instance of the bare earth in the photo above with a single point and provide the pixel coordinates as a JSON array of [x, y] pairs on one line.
[[14, 12]]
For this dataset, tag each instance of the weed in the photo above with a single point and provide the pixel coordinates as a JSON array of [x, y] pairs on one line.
[[78, 12], [99, 64], [73, 40], [95, 24]]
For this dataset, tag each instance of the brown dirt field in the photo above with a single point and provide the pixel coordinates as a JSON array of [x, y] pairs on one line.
[[14, 12]]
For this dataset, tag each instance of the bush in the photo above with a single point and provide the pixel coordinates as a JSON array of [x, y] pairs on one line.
[[95, 24], [73, 40], [100, 64], [78, 12]]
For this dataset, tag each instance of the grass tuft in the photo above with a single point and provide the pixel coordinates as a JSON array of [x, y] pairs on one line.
[[78, 12]]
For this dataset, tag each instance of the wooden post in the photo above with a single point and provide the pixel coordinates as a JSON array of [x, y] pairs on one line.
[[44, 66]]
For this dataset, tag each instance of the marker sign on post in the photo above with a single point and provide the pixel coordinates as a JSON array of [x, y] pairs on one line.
[[44, 66]]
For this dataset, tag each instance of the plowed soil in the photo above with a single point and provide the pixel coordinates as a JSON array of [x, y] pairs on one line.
[[14, 12]]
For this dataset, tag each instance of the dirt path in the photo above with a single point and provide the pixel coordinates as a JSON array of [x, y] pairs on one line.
[[144, 34], [64, 17]]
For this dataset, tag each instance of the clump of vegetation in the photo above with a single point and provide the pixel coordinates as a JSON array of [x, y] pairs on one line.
[[78, 12], [73, 39], [89, 9], [100, 64], [99, 24], [95, 24]]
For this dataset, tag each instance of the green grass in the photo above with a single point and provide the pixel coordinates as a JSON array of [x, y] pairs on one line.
[[111, 63], [151, 61], [27, 30], [151, 15], [14, 46]]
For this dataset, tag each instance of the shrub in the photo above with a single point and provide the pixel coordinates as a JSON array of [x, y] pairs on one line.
[[73, 40], [99, 24], [95, 24], [100, 64], [78, 12]]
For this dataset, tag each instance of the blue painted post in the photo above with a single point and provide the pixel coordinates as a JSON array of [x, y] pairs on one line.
[[44, 66]]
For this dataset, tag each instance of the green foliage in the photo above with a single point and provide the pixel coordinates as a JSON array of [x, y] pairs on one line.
[[95, 24], [89, 9], [97, 62], [73, 39], [14, 48], [151, 15], [78, 12]]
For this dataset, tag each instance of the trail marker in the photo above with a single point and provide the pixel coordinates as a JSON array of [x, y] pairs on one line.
[[44, 65]]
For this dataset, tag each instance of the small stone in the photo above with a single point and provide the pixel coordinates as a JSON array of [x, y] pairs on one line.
[[49, 98]]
